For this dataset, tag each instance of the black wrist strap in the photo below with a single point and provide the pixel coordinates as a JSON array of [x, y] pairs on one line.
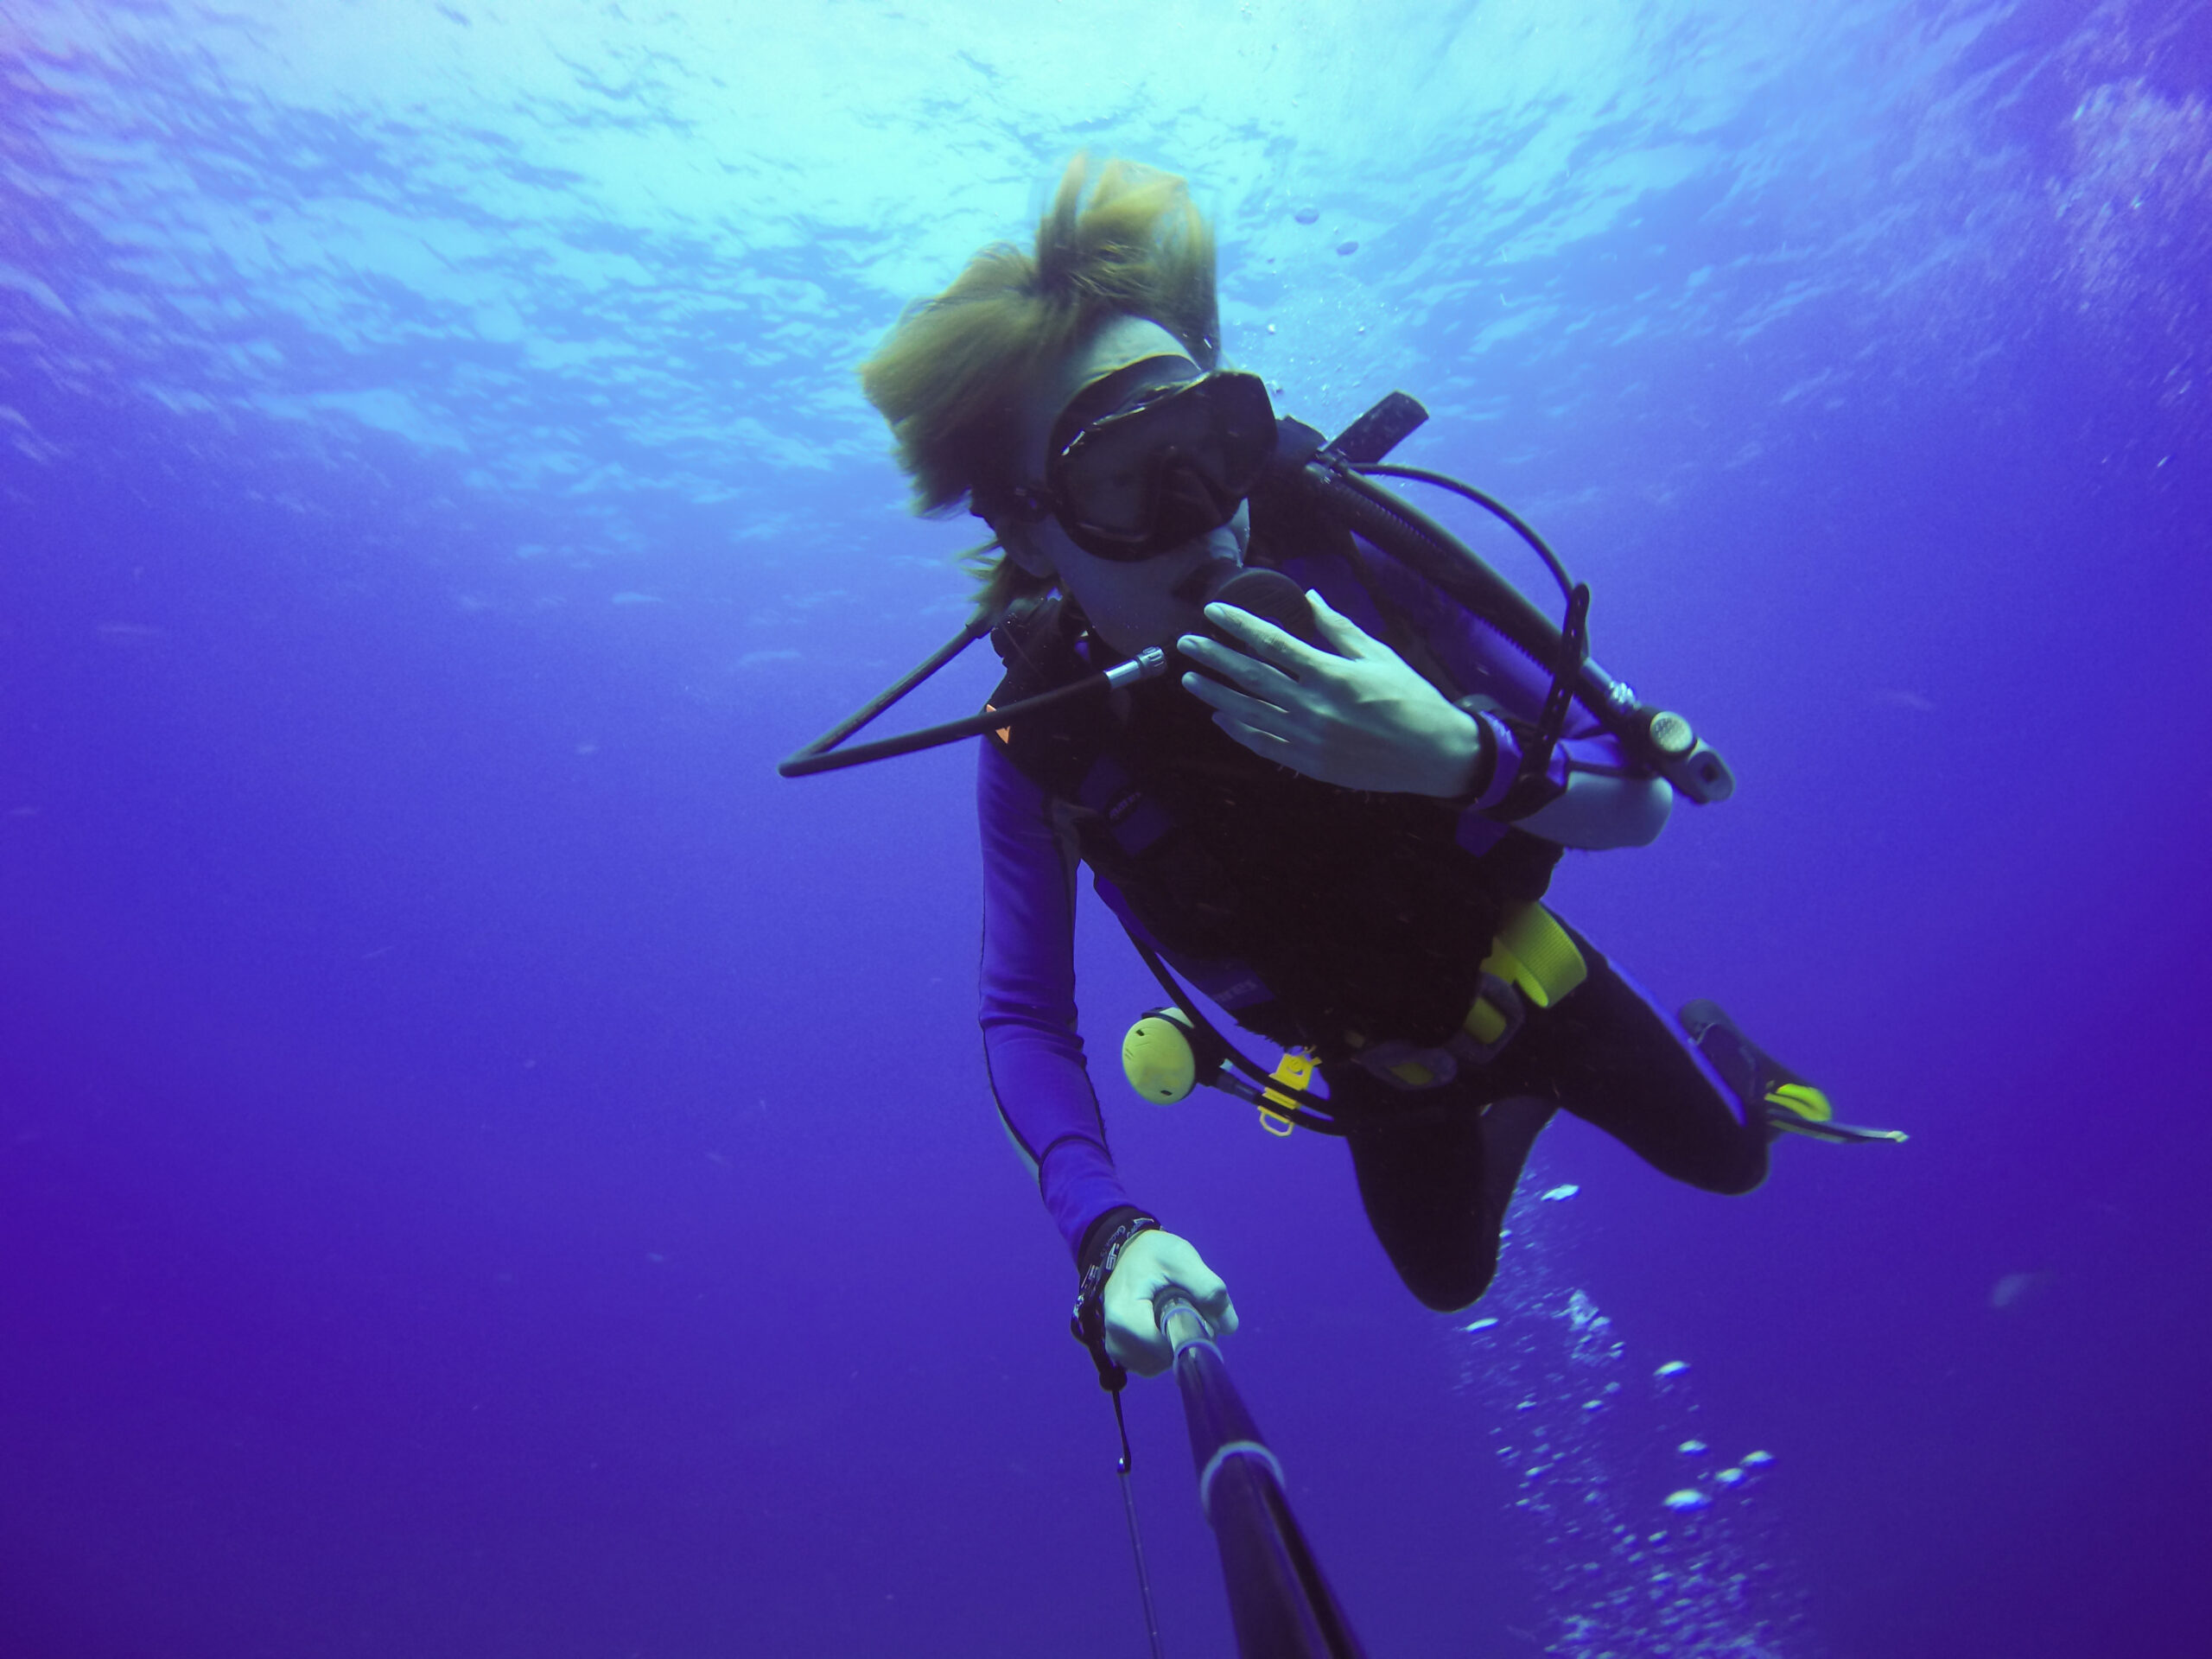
[[1088, 1323], [1102, 1252]]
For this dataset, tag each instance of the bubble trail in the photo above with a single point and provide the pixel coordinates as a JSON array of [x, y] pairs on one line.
[[1643, 1541]]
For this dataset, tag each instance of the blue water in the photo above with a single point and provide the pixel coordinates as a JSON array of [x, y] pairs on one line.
[[488, 1170]]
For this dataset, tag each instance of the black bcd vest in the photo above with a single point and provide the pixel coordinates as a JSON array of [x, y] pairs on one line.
[[1360, 913]]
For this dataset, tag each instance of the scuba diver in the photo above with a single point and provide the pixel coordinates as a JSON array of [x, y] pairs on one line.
[[1320, 773]]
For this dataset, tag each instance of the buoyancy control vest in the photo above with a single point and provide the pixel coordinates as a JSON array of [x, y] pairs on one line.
[[1359, 914]]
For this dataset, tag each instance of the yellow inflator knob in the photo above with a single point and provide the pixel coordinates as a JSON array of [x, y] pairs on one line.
[[1533, 952], [1156, 1058]]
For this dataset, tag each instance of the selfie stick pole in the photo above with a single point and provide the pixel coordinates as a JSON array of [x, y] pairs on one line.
[[1281, 1607]]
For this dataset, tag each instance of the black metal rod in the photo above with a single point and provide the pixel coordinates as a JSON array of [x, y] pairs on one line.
[[1279, 1601]]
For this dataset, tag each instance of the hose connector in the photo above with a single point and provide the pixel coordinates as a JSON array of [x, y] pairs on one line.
[[1147, 664]]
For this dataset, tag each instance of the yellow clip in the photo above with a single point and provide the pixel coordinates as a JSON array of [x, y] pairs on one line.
[[1295, 1070]]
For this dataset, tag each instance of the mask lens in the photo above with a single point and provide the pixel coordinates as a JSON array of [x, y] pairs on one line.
[[1171, 466]]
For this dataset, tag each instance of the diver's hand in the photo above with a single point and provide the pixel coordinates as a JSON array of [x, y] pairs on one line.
[[1363, 720], [1150, 1262]]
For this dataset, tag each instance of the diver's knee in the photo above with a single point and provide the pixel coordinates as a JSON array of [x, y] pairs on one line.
[[1452, 1292], [1734, 1182]]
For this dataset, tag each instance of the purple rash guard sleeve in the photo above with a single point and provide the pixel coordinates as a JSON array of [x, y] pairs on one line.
[[1031, 1047]]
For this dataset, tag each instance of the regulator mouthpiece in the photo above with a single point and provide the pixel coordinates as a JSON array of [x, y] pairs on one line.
[[1268, 594]]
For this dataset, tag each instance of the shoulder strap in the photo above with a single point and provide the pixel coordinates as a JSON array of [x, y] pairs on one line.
[[1036, 640]]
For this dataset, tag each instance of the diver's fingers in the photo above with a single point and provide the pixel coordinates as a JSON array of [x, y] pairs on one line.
[[1221, 1313], [1131, 1344], [1149, 1263], [1347, 636], [1227, 700], [1133, 1335], [1175, 1262], [1268, 745], [1261, 679], [1266, 641]]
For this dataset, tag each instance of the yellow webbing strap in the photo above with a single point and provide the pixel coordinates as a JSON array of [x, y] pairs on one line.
[[1296, 1069], [1532, 952]]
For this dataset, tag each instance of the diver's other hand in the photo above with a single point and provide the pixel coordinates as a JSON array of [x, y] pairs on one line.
[[1150, 1262], [1362, 720]]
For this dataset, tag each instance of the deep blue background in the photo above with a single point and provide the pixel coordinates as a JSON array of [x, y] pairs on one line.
[[484, 1169]]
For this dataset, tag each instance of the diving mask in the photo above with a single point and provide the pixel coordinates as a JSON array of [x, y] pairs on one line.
[[1142, 461]]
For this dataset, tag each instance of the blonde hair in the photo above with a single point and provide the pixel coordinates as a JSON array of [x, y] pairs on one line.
[[952, 375]]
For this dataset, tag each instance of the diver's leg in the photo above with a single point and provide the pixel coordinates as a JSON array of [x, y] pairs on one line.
[[1436, 1190], [1620, 1061], [1509, 1130]]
